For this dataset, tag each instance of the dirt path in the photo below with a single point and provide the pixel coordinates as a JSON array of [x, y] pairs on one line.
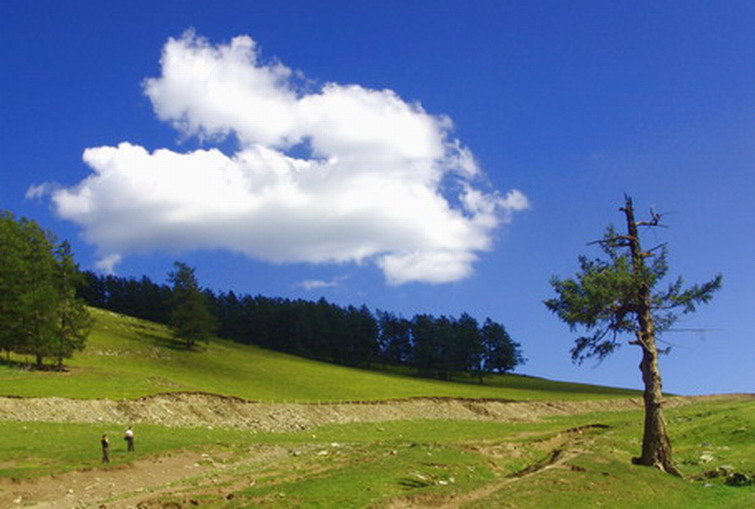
[[136, 483], [89, 488], [565, 447], [560, 449]]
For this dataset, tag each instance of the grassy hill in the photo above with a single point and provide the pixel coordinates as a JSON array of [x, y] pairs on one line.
[[129, 358], [579, 460]]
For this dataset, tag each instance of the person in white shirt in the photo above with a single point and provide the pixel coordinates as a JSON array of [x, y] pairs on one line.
[[129, 439]]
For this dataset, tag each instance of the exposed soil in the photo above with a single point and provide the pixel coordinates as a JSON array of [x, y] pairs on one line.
[[182, 409], [144, 481], [134, 484]]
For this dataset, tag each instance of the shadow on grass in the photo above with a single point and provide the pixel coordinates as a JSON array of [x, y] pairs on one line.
[[31, 365], [414, 483], [169, 343]]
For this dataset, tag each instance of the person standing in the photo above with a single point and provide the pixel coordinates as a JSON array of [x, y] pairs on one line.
[[129, 439], [105, 449]]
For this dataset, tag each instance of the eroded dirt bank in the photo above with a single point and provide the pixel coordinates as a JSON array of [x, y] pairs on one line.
[[199, 409]]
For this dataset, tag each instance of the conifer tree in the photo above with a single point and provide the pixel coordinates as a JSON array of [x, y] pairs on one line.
[[39, 312], [619, 296], [501, 353], [74, 320], [467, 345], [190, 316]]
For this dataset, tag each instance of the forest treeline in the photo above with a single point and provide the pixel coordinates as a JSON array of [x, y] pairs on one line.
[[43, 314], [437, 347]]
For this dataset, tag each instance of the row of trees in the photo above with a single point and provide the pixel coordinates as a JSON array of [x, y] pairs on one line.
[[40, 312], [440, 347], [436, 347]]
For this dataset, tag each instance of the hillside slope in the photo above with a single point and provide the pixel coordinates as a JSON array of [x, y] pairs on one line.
[[128, 358], [203, 440]]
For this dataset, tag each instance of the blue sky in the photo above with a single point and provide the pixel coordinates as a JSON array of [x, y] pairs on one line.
[[435, 157]]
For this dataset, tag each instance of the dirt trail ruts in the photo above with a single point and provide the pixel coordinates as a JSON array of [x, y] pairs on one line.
[[561, 449], [569, 444], [128, 485], [203, 410]]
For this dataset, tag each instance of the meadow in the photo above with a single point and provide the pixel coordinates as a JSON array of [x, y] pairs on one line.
[[420, 463], [129, 358], [566, 461]]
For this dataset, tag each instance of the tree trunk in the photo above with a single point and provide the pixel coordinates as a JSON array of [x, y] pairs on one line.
[[656, 446]]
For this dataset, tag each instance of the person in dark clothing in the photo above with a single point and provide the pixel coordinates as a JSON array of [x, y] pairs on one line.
[[105, 449]]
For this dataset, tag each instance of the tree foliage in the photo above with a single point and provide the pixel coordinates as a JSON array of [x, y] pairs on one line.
[[40, 314], [190, 316], [75, 322], [500, 353], [605, 297]]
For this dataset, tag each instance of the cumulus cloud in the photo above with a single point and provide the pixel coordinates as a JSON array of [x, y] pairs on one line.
[[381, 180]]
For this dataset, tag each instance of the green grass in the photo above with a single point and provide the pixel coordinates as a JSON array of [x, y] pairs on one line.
[[604, 476], [431, 461], [373, 464], [32, 449], [368, 464], [128, 358]]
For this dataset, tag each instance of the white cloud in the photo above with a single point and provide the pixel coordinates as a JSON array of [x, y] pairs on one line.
[[38, 191], [108, 263], [514, 201], [316, 284], [376, 185], [432, 267]]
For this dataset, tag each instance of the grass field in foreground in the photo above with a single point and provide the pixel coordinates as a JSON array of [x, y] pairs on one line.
[[128, 358], [360, 465]]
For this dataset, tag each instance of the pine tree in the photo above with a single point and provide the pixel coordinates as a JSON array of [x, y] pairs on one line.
[[467, 345], [190, 317], [618, 296], [29, 297], [74, 320], [394, 338], [39, 312], [500, 352], [13, 284]]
